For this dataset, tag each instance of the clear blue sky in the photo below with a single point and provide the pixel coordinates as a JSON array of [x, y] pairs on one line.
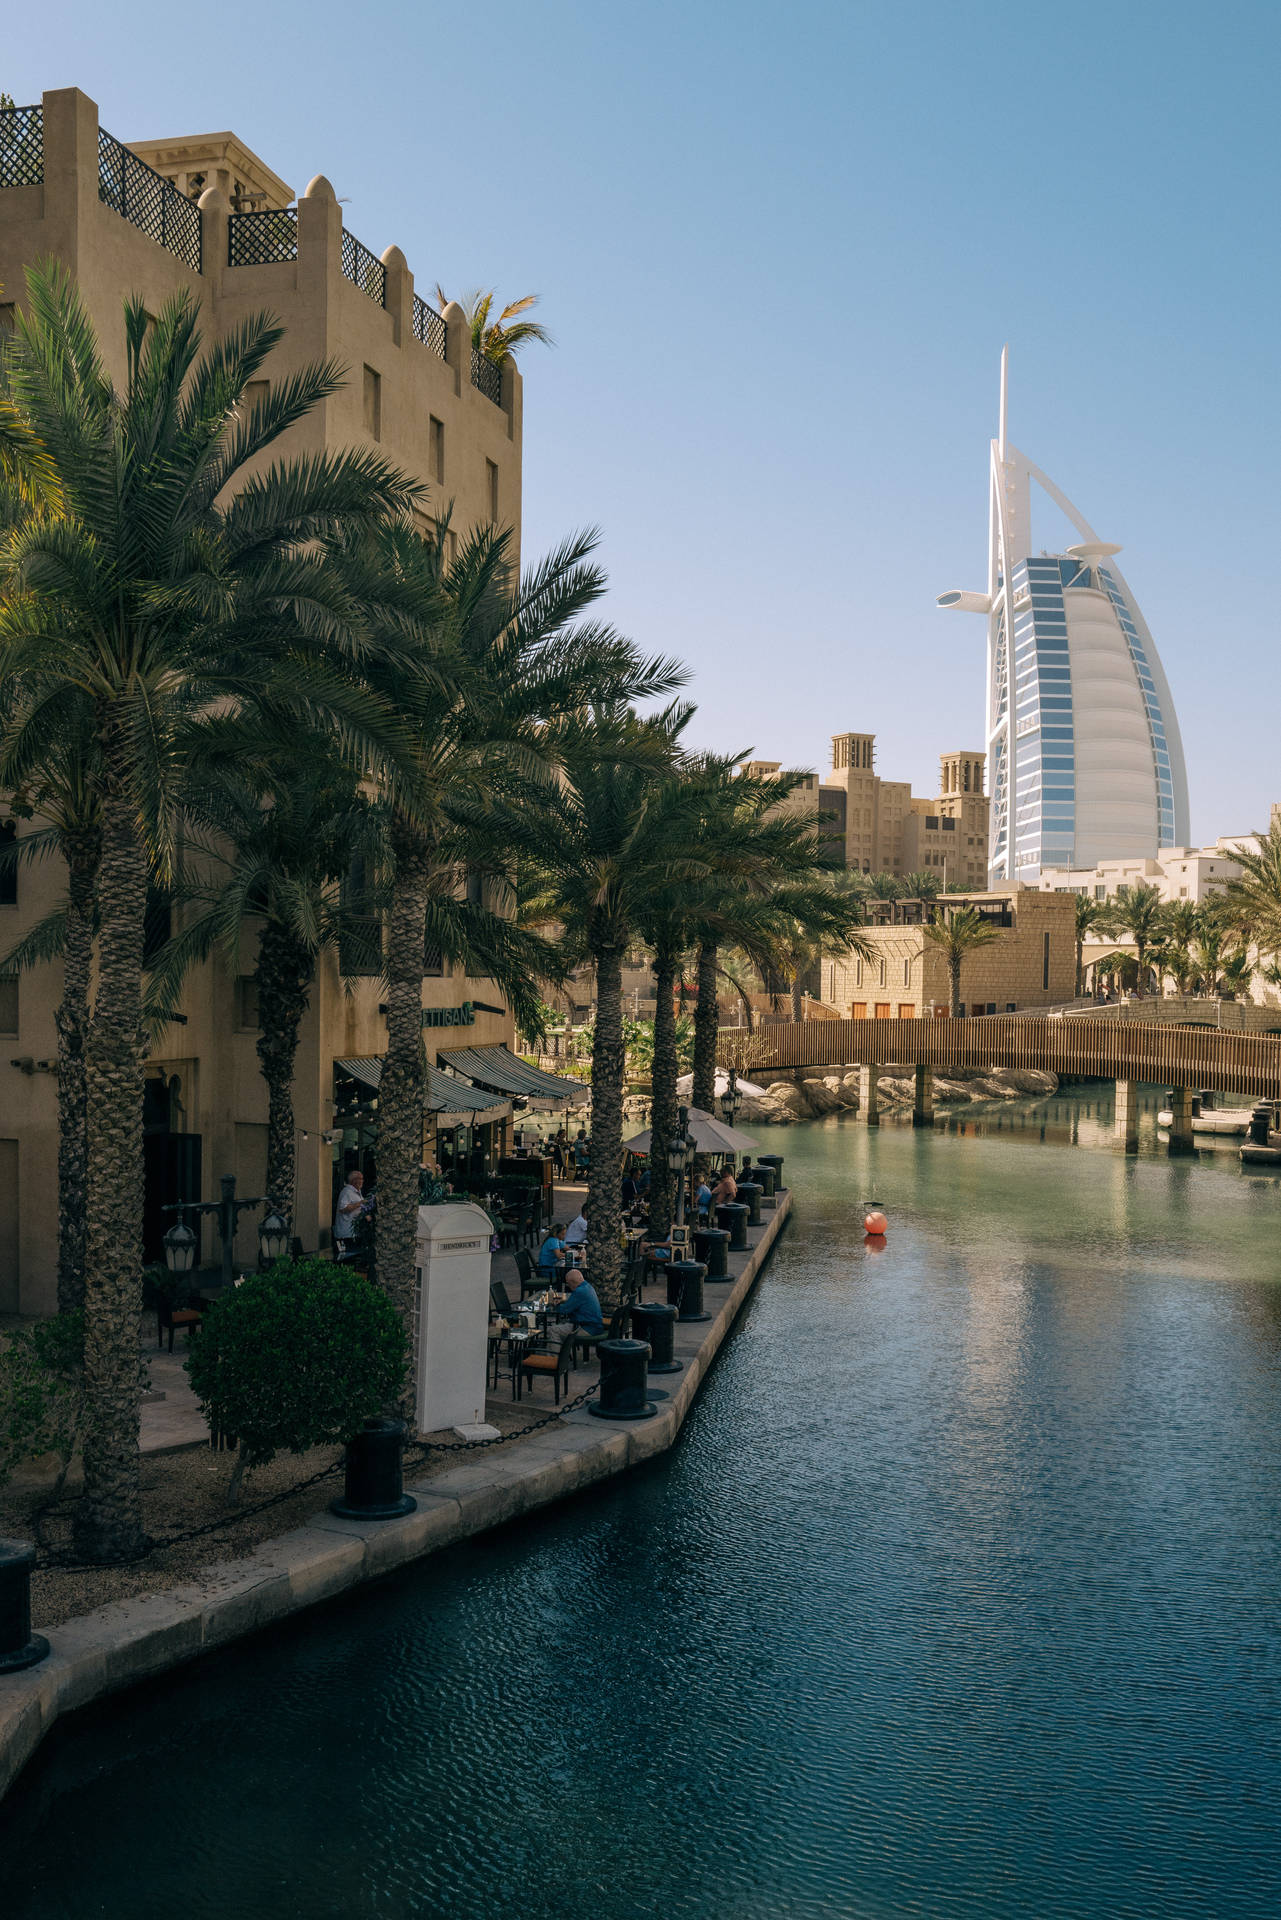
[[780, 249]]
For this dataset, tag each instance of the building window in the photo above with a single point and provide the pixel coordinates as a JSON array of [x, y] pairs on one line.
[[360, 937], [1100, 893], [157, 925], [373, 404], [436, 450], [247, 1003], [433, 962], [881, 973], [1045, 966], [858, 973], [491, 484], [9, 871], [907, 973], [9, 1003]]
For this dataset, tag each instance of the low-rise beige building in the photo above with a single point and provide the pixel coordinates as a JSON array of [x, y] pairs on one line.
[[127, 220], [880, 826], [1032, 963]]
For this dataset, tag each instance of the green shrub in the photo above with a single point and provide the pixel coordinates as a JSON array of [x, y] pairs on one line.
[[296, 1356], [41, 1391]]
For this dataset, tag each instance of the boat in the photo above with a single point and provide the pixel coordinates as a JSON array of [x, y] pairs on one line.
[[1207, 1118]]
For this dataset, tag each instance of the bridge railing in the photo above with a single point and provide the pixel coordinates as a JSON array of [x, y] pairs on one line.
[[1105, 1049]]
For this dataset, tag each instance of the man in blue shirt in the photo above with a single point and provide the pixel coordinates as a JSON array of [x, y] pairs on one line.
[[581, 1310]]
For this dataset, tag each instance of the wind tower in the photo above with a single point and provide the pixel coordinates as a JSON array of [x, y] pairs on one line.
[[1083, 749]]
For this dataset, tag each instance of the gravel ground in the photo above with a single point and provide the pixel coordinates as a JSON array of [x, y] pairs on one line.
[[189, 1489]]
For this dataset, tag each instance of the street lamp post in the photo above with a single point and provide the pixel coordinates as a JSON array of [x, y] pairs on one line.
[[731, 1098], [180, 1241], [676, 1162]]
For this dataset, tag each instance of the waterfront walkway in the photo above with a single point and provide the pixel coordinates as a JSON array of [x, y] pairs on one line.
[[133, 1640]]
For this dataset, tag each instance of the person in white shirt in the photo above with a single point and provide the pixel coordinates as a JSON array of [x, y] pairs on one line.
[[350, 1203], [576, 1231]]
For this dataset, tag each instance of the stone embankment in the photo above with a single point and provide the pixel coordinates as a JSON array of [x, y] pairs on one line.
[[815, 1095]]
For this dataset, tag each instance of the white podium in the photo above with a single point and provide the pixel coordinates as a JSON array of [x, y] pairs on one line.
[[452, 1332]]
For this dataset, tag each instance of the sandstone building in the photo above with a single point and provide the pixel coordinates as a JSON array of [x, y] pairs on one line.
[[206, 214]]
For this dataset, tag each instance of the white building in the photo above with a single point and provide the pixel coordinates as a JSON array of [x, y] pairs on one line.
[[1178, 873], [1084, 755]]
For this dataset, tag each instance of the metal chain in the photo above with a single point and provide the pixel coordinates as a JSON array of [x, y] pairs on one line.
[[48, 1560]]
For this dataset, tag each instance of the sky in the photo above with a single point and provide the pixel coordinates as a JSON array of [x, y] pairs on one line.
[[780, 249]]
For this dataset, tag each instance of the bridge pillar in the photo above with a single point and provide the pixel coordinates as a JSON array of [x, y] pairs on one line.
[[1180, 1120], [869, 1098], [1127, 1116], [923, 1097]]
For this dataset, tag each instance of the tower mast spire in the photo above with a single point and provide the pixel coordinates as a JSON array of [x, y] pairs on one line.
[[1005, 394]]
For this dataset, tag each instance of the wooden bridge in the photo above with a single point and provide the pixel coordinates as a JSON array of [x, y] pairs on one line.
[[1093, 1048]]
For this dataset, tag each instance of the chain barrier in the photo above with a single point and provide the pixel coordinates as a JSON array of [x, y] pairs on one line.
[[49, 1560]]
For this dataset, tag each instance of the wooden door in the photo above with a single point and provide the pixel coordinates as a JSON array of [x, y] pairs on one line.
[[884, 1011], [907, 1010]]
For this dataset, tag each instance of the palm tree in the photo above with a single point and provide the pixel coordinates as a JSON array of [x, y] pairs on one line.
[[276, 852], [883, 886], [920, 886], [496, 662], [958, 932], [1092, 916], [1208, 954], [613, 830], [171, 582], [1258, 891], [1238, 972], [501, 339], [1142, 913]]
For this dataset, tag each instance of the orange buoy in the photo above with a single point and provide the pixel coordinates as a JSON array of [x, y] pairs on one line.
[[875, 1223]]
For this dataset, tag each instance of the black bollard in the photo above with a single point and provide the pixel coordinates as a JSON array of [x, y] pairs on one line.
[[19, 1647], [711, 1246], [733, 1216], [749, 1193], [624, 1381], [656, 1323], [685, 1289], [373, 1488], [1260, 1123], [766, 1178], [774, 1160]]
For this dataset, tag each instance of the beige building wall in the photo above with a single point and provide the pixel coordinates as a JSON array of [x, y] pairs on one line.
[[1032, 963], [427, 415]]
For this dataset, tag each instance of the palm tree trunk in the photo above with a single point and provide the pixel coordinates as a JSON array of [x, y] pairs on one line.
[[604, 1195], [706, 1028], [401, 1094], [798, 997], [83, 853], [954, 969], [1080, 955], [109, 1523], [662, 1123], [284, 973]]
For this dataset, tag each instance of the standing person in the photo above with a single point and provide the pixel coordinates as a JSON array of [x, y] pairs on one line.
[[351, 1204], [703, 1198], [582, 1155], [560, 1152]]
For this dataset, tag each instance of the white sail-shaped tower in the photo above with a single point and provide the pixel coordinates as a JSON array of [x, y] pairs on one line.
[[1084, 756]]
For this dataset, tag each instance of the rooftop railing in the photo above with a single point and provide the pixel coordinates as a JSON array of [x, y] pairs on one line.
[[21, 146], [261, 239], [486, 377], [429, 327], [145, 198], [364, 269]]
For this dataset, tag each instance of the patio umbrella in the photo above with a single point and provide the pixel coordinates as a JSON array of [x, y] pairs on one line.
[[685, 1085], [709, 1136]]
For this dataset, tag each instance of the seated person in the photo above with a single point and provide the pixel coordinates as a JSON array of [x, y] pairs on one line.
[[643, 1184], [579, 1312], [630, 1192], [726, 1188], [576, 1231], [552, 1245]]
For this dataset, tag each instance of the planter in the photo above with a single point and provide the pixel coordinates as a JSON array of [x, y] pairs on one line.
[[624, 1380], [373, 1488]]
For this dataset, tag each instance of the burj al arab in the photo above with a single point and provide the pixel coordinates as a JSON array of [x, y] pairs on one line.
[[1084, 754]]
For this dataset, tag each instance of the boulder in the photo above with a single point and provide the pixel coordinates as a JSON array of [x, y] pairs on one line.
[[949, 1090], [1025, 1079], [819, 1096], [785, 1094], [992, 1089], [894, 1091]]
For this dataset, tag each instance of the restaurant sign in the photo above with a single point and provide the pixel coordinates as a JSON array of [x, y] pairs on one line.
[[464, 1016]]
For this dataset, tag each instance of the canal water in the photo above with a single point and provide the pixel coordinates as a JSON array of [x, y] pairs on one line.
[[958, 1596]]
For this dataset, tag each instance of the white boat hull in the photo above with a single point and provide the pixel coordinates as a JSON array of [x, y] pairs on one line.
[[1218, 1120]]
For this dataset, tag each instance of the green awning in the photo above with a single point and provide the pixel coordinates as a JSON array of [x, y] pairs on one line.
[[503, 1071], [452, 1101]]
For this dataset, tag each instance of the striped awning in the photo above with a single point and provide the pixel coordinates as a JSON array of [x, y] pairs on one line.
[[452, 1101], [503, 1071]]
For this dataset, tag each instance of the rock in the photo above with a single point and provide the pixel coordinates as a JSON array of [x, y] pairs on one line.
[[785, 1094], [1026, 1079], [851, 1079], [895, 1091], [948, 1090], [992, 1089], [819, 1097]]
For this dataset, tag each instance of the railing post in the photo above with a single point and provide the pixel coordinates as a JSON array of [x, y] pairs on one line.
[[458, 346], [319, 256], [215, 218]]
